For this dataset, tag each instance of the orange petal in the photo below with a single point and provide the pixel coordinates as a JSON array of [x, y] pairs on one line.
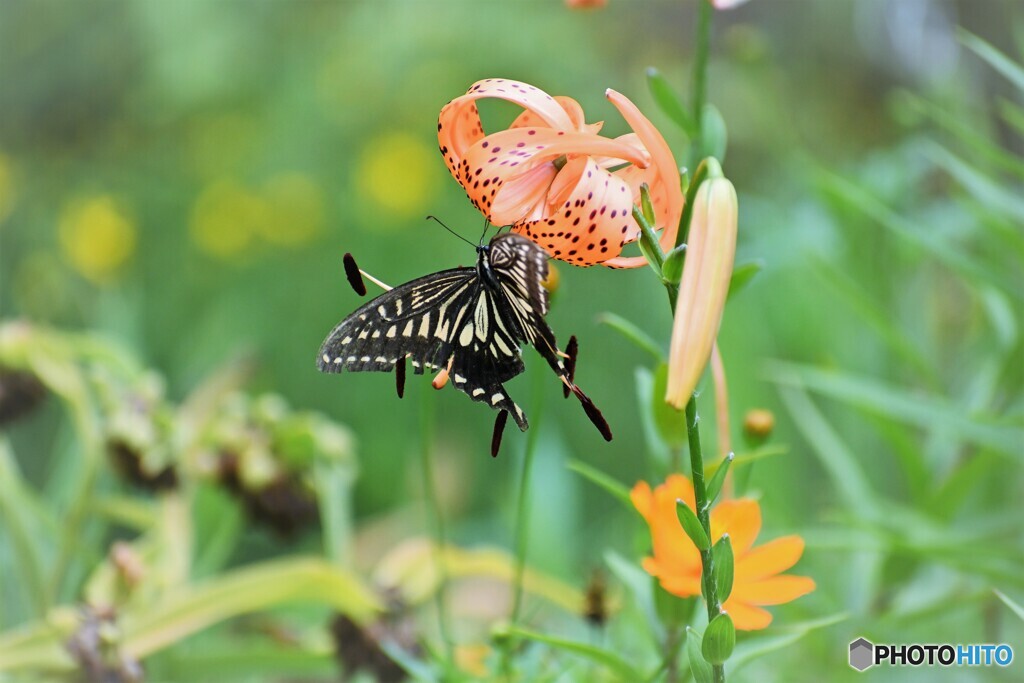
[[544, 106], [642, 499], [459, 127], [681, 488], [523, 197], [770, 559], [741, 519], [773, 591], [590, 220], [683, 585], [746, 617], [666, 180], [572, 109]]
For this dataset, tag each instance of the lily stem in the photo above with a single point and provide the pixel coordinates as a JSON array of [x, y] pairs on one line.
[[700, 495], [698, 94]]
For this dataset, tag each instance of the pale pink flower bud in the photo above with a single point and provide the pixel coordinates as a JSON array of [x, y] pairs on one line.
[[710, 249]]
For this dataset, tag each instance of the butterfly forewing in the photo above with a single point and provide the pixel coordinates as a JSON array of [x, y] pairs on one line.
[[410, 321]]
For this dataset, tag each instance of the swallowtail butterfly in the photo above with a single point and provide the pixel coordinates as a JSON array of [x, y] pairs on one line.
[[467, 322]]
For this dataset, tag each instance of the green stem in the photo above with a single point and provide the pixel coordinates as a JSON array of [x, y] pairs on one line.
[[434, 503], [700, 495], [655, 257], [699, 83]]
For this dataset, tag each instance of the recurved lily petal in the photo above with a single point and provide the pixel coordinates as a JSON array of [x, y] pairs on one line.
[[459, 125], [710, 251], [502, 177], [662, 178]]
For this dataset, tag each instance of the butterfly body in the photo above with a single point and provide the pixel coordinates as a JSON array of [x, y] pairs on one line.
[[467, 321]]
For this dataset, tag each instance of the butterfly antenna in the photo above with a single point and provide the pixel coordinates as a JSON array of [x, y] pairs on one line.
[[439, 222], [484, 233]]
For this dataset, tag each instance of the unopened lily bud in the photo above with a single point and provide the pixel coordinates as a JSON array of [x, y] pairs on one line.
[[758, 424], [710, 250]]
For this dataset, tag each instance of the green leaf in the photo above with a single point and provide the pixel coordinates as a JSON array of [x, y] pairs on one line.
[[702, 672], [742, 275], [669, 421], [718, 478], [928, 241], [723, 567], [848, 478], [754, 648], [714, 136], [668, 101], [672, 268], [719, 639], [634, 334], [27, 531], [657, 448], [619, 666], [1015, 607], [692, 526], [929, 412], [188, 610], [996, 59], [616, 488]]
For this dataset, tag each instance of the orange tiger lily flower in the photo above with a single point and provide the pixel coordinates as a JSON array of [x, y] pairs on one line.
[[757, 579], [548, 175]]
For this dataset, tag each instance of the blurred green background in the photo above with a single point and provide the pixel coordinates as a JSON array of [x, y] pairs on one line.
[[184, 177]]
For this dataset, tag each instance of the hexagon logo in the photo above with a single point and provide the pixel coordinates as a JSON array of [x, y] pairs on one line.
[[862, 654]]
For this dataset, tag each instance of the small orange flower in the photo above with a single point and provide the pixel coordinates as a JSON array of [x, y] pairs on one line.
[[585, 4], [548, 175], [757, 578]]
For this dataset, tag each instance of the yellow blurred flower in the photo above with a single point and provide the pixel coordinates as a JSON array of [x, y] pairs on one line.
[[225, 217], [296, 209], [97, 237], [396, 173], [710, 250], [6, 187], [757, 580]]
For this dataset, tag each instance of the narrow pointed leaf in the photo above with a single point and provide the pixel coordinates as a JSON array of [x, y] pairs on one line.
[[702, 672], [724, 567], [718, 478], [691, 525], [742, 275], [668, 101]]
